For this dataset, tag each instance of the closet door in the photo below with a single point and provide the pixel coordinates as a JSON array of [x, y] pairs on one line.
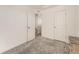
[[60, 25], [31, 26], [47, 25]]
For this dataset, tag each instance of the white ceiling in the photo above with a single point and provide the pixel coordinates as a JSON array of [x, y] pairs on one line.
[[41, 6]]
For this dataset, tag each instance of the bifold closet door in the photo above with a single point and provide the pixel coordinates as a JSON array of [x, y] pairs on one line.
[[47, 25], [31, 26], [60, 25]]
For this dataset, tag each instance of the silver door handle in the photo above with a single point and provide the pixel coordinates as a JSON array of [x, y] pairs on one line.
[[28, 27]]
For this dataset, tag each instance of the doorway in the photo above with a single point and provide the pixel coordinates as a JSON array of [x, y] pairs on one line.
[[38, 25]]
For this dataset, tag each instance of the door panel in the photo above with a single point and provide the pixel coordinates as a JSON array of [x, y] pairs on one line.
[[47, 25], [31, 26], [54, 25], [60, 26]]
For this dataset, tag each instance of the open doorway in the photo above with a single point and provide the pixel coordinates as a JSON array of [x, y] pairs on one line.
[[38, 23]]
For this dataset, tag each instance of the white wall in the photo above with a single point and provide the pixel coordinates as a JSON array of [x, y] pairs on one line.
[[13, 26], [71, 18], [77, 22], [74, 22]]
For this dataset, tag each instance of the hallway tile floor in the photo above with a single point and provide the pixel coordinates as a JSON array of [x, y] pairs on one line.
[[42, 45]]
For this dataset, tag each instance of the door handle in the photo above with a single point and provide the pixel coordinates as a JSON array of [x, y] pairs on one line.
[[54, 26], [28, 27]]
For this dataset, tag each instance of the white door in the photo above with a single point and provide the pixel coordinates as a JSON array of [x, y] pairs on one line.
[[60, 26], [31, 26], [47, 25]]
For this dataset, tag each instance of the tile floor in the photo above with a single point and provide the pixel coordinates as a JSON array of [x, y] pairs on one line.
[[41, 45]]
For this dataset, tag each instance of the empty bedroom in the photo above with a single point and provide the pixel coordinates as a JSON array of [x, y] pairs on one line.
[[39, 29]]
